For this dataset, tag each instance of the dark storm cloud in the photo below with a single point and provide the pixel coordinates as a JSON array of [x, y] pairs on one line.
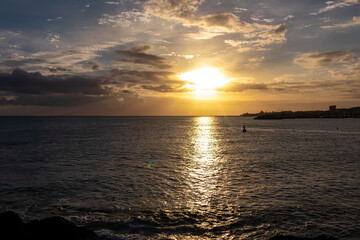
[[141, 76], [34, 89], [21, 81], [14, 63], [65, 100], [159, 81], [137, 54], [240, 87]]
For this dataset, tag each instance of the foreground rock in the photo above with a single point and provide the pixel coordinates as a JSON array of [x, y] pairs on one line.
[[289, 237], [54, 228], [58, 228]]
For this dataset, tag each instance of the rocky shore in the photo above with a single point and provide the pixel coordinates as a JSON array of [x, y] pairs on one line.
[[54, 228], [58, 228]]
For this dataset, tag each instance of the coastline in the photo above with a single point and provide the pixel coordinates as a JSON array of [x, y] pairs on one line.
[[333, 112]]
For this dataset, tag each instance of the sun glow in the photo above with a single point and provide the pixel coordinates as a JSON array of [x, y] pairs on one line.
[[204, 79]]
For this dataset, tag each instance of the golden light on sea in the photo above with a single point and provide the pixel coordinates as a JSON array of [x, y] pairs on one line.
[[203, 172]]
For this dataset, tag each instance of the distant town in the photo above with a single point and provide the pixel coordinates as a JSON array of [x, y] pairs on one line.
[[333, 112]]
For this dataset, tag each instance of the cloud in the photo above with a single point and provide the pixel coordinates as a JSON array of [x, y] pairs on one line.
[[140, 48], [258, 40], [334, 87], [240, 10], [320, 59], [280, 29], [332, 5], [222, 22], [94, 66], [141, 77], [240, 87], [25, 88], [49, 100], [254, 62], [125, 19], [354, 22], [187, 56], [54, 19], [21, 81], [318, 86], [73, 60], [57, 69], [178, 9], [302, 85], [349, 72], [17, 61], [120, 99], [204, 35], [288, 17], [159, 81], [113, 3], [138, 55], [53, 38], [167, 88], [268, 20], [185, 12], [51, 61]]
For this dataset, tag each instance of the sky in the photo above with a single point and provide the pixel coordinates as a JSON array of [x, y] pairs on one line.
[[177, 57]]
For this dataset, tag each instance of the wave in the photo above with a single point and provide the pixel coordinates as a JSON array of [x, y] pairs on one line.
[[180, 224]]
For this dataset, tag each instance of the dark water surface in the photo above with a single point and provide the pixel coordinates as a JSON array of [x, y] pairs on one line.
[[185, 177]]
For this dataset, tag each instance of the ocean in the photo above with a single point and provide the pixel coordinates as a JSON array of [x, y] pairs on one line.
[[185, 177]]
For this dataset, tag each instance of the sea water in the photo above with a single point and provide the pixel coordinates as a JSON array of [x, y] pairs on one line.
[[185, 177]]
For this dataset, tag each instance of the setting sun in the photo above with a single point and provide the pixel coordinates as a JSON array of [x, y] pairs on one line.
[[204, 79]]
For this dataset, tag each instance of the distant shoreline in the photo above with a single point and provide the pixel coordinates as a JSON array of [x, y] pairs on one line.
[[333, 112]]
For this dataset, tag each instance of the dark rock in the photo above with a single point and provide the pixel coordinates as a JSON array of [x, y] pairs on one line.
[[57, 228], [54, 228], [289, 237], [11, 226], [10, 219]]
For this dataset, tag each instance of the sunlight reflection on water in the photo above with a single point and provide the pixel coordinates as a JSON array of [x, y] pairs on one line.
[[204, 169]]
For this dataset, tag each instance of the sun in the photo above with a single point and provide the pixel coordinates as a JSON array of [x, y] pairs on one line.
[[204, 79]]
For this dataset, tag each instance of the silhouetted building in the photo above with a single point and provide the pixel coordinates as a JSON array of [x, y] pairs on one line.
[[332, 108]]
